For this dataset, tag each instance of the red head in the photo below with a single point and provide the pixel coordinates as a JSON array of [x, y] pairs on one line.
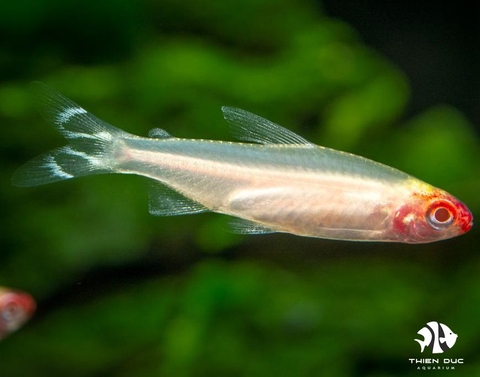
[[431, 216], [16, 308]]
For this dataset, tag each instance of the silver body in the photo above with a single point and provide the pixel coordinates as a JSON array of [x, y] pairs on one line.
[[275, 182], [301, 189]]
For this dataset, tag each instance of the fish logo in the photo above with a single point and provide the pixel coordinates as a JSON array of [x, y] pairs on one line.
[[436, 336]]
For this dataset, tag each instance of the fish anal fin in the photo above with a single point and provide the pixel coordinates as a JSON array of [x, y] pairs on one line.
[[165, 201], [253, 128], [242, 226]]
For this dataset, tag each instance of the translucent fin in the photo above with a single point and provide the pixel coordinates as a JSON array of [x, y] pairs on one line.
[[164, 201], [253, 128], [158, 133], [91, 141], [73, 122], [242, 226], [57, 165]]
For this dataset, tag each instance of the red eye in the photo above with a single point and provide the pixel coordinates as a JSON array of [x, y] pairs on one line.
[[441, 214]]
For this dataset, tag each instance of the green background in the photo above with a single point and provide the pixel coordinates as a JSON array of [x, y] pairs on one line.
[[123, 293]]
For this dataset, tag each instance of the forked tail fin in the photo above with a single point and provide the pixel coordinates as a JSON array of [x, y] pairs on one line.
[[90, 145], [422, 344]]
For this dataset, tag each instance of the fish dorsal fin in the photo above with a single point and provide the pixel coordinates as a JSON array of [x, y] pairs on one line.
[[253, 128], [158, 133], [242, 226], [164, 201]]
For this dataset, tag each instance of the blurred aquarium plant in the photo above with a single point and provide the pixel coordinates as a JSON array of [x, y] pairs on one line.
[[122, 293]]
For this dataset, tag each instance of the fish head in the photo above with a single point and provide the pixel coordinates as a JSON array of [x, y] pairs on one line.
[[16, 308], [431, 214], [449, 336]]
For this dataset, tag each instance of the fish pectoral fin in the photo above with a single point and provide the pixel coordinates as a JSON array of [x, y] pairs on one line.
[[242, 226], [256, 201], [256, 205], [253, 128], [165, 201]]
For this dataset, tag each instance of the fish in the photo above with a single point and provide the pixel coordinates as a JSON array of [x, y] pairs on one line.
[[16, 308], [271, 180], [432, 338]]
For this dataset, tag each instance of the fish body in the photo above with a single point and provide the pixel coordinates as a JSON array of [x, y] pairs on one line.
[[16, 308], [275, 182]]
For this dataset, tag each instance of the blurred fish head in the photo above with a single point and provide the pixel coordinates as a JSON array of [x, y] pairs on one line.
[[431, 214], [16, 308]]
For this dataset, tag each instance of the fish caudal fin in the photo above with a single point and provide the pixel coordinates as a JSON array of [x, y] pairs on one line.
[[90, 142], [422, 344]]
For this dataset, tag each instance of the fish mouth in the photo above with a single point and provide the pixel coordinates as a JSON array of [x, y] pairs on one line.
[[465, 218], [469, 226]]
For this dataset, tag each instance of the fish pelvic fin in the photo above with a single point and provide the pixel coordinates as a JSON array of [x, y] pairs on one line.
[[165, 201], [90, 147]]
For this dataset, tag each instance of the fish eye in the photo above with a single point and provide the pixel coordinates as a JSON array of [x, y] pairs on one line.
[[440, 215]]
